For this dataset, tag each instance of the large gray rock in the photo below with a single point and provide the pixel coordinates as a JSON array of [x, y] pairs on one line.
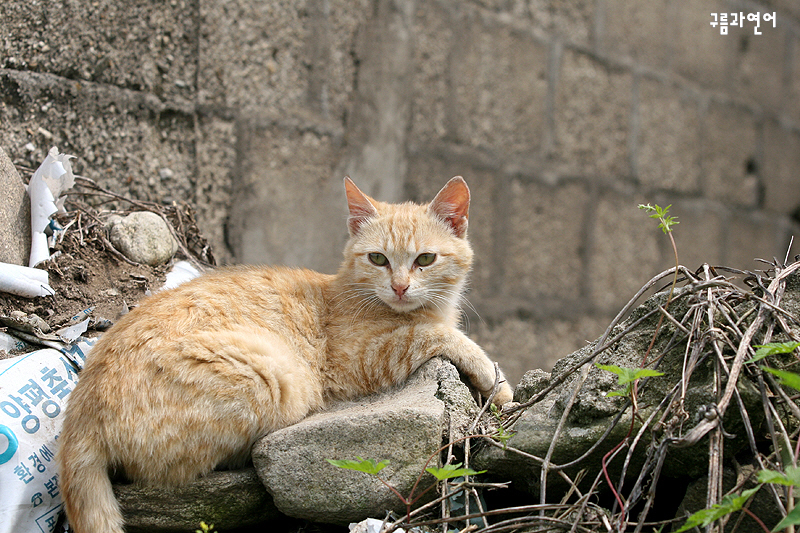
[[15, 215], [405, 426], [229, 500], [143, 237]]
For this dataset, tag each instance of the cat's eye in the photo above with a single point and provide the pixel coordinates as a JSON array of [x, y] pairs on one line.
[[425, 259], [378, 259]]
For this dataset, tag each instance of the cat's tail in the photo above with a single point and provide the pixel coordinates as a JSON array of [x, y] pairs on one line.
[[85, 486]]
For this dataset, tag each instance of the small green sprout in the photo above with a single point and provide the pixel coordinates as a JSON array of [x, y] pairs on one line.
[[502, 435], [205, 528], [626, 377], [451, 471], [657, 212]]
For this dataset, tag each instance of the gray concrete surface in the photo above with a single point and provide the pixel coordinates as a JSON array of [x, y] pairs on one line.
[[562, 116]]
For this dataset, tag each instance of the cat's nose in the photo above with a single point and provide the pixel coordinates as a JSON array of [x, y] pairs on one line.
[[399, 289]]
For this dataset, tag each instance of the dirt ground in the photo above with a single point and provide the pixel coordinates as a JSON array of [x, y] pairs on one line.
[[89, 276]]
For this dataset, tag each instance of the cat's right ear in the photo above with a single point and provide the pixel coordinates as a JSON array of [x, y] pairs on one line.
[[452, 205], [361, 209]]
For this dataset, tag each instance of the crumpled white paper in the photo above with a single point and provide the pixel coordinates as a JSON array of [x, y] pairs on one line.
[[181, 272], [24, 281], [51, 179], [71, 333]]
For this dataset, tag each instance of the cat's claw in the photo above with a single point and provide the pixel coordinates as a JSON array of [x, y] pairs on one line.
[[504, 395]]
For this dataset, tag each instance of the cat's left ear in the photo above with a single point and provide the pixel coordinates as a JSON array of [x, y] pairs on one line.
[[361, 209], [452, 205]]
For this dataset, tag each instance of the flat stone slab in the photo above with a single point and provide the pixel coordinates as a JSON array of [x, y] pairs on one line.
[[227, 499], [405, 426]]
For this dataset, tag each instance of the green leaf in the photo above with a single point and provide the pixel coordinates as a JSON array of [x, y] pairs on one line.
[[659, 213], [729, 504], [502, 435], [790, 379], [368, 466], [628, 375], [792, 518], [790, 479], [451, 471], [625, 376], [773, 348], [771, 476], [205, 528]]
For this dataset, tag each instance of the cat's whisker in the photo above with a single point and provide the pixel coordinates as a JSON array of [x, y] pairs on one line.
[[358, 291], [368, 302], [366, 307]]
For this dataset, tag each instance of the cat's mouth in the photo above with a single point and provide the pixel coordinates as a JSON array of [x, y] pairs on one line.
[[402, 304]]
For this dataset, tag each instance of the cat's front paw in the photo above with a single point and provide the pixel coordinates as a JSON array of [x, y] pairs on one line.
[[504, 394]]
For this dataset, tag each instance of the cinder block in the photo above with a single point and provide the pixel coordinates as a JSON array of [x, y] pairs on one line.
[[278, 54], [759, 61], [592, 118], [784, 8], [792, 101], [434, 28], [129, 142], [149, 45], [380, 105], [668, 145], [625, 252], [520, 344], [498, 89], [781, 172], [573, 21], [641, 30], [699, 52], [729, 156], [700, 234], [543, 239], [752, 235], [216, 161], [288, 207]]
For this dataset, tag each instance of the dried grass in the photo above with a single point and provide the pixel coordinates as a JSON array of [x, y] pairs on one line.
[[710, 322]]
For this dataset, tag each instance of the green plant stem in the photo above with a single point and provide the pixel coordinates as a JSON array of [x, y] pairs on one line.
[[666, 226], [411, 500]]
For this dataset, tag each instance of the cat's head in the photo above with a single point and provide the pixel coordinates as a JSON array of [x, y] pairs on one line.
[[409, 256]]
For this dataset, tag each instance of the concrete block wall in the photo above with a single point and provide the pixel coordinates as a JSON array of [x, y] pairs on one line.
[[562, 116]]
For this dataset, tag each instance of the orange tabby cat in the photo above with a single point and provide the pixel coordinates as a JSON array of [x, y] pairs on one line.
[[192, 377]]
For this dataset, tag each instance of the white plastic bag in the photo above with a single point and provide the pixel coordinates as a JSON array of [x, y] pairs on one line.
[[33, 390]]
